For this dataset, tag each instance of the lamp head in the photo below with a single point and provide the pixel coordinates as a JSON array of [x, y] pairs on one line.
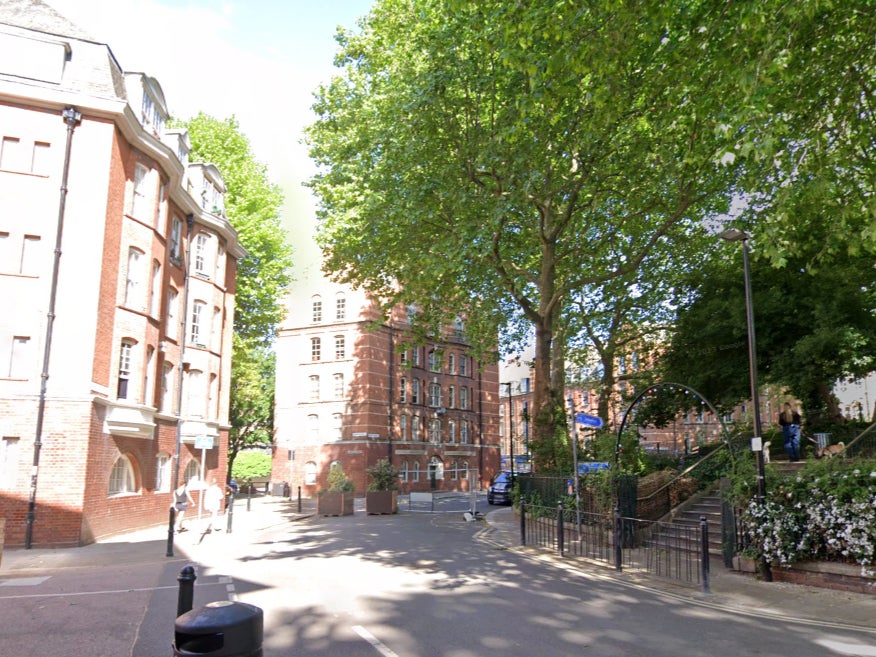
[[733, 235]]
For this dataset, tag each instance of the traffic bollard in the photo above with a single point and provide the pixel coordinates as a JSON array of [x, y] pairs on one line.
[[186, 596]]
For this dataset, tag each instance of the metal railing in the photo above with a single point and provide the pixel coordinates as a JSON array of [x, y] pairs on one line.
[[662, 549]]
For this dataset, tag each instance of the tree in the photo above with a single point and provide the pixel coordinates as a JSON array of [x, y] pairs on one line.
[[251, 466], [505, 156], [253, 204]]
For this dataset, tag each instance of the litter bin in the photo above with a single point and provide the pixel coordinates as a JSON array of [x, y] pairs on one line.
[[220, 629]]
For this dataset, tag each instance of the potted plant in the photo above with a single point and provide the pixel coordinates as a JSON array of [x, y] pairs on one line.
[[382, 493], [337, 499]]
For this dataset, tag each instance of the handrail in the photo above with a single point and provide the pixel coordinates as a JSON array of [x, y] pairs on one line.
[[687, 470]]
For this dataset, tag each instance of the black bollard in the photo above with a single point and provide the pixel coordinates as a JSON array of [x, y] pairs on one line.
[[522, 522], [229, 512], [618, 540], [170, 529], [186, 597], [560, 530], [704, 558], [299, 499]]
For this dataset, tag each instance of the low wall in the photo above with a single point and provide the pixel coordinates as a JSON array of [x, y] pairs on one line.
[[821, 574]]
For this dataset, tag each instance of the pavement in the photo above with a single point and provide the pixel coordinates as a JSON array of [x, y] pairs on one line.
[[729, 590]]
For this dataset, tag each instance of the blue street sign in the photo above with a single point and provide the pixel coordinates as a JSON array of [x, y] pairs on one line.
[[592, 466], [588, 420]]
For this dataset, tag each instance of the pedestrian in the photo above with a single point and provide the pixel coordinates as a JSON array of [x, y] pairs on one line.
[[789, 419], [181, 500], [212, 502]]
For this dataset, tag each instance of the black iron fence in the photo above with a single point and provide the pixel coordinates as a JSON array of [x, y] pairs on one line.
[[662, 549]]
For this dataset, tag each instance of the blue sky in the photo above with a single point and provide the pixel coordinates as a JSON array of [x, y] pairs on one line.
[[259, 60]]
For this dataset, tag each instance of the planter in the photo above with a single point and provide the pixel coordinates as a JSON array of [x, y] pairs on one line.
[[334, 504], [381, 501]]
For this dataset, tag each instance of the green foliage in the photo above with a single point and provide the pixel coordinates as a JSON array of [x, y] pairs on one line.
[[383, 476], [338, 481], [250, 465]]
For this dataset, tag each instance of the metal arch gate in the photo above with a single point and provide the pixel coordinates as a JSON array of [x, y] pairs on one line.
[[725, 435]]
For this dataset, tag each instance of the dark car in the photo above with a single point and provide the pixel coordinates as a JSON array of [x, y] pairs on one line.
[[500, 488]]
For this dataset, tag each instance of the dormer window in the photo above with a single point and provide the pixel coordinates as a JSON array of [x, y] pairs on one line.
[[150, 115]]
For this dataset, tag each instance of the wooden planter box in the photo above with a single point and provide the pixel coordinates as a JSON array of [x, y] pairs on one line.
[[381, 502], [334, 504]]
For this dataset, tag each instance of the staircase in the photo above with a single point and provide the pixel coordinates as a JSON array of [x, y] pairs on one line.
[[689, 514]]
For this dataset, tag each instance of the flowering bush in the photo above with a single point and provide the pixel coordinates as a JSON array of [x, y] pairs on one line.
[[827, 512]]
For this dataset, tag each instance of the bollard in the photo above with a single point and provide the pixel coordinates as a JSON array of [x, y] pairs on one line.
[[522, 522], [248, 497], [299, 499], [560, 530], [229, 513], [618, 540], [186, 597], [704, 557], [170, 529]]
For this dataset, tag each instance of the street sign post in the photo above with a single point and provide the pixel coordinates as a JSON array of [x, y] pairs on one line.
[[592, 421]]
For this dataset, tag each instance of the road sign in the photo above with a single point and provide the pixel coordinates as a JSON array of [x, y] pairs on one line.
[[588, 420], [203, 442], [592, 466]]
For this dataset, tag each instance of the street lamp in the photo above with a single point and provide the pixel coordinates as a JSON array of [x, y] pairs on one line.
[[510, 428], [736, 235]]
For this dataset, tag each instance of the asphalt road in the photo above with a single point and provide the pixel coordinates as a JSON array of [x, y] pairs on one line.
[[407, 585]]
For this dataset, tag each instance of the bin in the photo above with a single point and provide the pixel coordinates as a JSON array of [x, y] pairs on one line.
[[220, 629]]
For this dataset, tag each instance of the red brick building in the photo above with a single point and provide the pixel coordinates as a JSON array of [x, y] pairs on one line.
[[352, 393], [117, 275]]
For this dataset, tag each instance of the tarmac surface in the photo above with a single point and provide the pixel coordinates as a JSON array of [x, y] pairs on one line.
[[729, 590]]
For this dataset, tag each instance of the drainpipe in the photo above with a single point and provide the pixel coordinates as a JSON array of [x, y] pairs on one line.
[[72, 118], [190, 223], [391, 390]]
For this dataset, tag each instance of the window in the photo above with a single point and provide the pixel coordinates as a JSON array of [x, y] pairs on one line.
[[454, 474], [415, 391], [403, 427], [203, 255], [314, 387], [403, 391], [140, 205], [415, 354], [416, 473], [310, 473], [337, 426], [30, 255], [451, 431], [404, 358], [122, 480], [313, 426], [451, 363], [463, 366], [196, 391], [316, 309], [41, 162], [12, 154], [451, 396], [463, 470], [216, 329], [167, 387], [434, 395], [163, 464], [134, 283], [213, 397], [148, 381], [463, 398], [403, 472], [162, 206], [125, 352], [19, 358], [340, 307], [339, 386], [434, 361], [198, 308], [315, 349], [340, 348], [192, 474], [501, 421], [176, 239], [155, 291], [463, 432], [415, 427], [172, 318], [8, 461], [435, 431]]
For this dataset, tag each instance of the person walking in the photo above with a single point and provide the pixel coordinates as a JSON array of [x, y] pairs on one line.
[[181, 500], [789, 420], [213, 502]]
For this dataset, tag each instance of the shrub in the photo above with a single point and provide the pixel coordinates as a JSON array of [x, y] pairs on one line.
[[251, 465], [382, 476], [338, 481]]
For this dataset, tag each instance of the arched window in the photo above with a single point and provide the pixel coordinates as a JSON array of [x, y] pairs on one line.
[[126, 350], [310, 473], [340, 307], [316, 308], [403, 472], [163, 464], [123, 480], [192, 474]]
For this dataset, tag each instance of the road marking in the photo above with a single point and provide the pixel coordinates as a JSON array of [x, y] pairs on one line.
[[374, 641], [25, 581]]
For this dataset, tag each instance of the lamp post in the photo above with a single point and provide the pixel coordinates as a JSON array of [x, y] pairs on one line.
[[736, 235], [510, 429]]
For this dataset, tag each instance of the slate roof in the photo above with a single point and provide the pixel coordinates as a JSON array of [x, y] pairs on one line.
[[39, 16]]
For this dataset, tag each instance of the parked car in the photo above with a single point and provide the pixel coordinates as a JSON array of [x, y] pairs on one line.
[[500, 488]]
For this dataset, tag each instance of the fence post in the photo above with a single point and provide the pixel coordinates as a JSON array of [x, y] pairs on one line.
[[560, 531], [299, 499], [704, 556], [186, 596], [522, 522], [618, 540]]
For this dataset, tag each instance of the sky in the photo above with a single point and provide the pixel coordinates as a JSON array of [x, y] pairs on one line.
[[257, 60]]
